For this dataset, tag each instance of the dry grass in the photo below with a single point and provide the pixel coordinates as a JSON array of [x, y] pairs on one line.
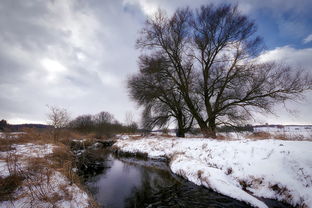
[[35, 175], [137, 137], [283, 137], [221, 137], [260, 135], [266, 135], [167, 135], [5, 145], [38, 180], [8, 186], [63, 161]]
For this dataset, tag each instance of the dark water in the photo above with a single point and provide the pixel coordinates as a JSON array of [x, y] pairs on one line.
[[130, 182]]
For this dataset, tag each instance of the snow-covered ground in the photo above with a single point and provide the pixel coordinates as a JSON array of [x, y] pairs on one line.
[[242, 169], [37, 187], [10, 135], [283, 128], [299, 132]]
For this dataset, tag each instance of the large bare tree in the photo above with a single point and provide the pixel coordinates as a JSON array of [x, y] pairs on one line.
[[212, 61]]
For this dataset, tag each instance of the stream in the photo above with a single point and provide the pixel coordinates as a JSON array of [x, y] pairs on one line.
[[122, 182]]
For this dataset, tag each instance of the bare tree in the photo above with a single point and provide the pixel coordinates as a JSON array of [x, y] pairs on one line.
[[131, 125], [162, 102], [104, 118], [211, 61], [83, 123], [58, 117], [129, 118]]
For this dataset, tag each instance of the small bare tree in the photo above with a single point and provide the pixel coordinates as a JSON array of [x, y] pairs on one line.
[[211, 62], [131, 125], [59, 118]]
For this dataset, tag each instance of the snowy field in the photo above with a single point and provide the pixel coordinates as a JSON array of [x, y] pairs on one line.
[[298, 132], [37, 187], [242, 169]]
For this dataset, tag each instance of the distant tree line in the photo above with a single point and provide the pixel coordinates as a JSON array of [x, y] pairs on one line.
[[5, 126], [235, 128], [103, 124]]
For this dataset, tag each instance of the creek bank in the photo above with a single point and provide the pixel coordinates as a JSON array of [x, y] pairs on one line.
[[245, 170], [90, 157], [33, 174], [140, 182], [108, 171]]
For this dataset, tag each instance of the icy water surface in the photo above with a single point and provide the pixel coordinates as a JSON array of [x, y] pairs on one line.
[[130, 182]]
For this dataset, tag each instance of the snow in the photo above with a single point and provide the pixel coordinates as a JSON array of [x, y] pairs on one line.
[[121, 136], [32, 150], [275, 169], [78, 199], [281, 128], [70, 195], [4, 172], [299, 132], [126, 136], [10, 135]]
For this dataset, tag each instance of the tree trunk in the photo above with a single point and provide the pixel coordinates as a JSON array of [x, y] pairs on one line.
[[180, 132], [181, 125], [209, 131], [212, 127]]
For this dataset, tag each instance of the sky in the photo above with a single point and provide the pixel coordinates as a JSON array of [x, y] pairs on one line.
[[77, 54]]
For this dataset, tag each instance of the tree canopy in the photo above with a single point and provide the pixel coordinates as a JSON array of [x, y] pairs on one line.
[[207, 60]]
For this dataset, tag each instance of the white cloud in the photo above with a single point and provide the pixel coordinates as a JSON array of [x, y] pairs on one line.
[[308, 39], [246, 6], [54, 68], [148, 7], [289, 55], [295, 112], [81, 56]]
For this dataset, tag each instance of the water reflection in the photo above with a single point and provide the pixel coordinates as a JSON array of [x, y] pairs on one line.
[[138, 183], [111, 188]]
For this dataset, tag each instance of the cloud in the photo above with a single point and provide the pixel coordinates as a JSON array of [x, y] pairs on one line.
[[308, 39], [298, 58], [65, 53], [294, 112], [246, 6], [287, 19], [78, 54], [148, 7]]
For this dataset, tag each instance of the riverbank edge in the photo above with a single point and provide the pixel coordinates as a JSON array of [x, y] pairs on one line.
[[143, 154], [37, 170]]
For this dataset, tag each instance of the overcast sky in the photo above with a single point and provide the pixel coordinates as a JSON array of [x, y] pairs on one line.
[[77, 54]]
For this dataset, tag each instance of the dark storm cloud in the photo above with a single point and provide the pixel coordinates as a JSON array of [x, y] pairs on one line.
[[78, 54]]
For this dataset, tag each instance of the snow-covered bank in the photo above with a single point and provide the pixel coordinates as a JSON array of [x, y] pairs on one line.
[[39, 186], [242, 169]]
